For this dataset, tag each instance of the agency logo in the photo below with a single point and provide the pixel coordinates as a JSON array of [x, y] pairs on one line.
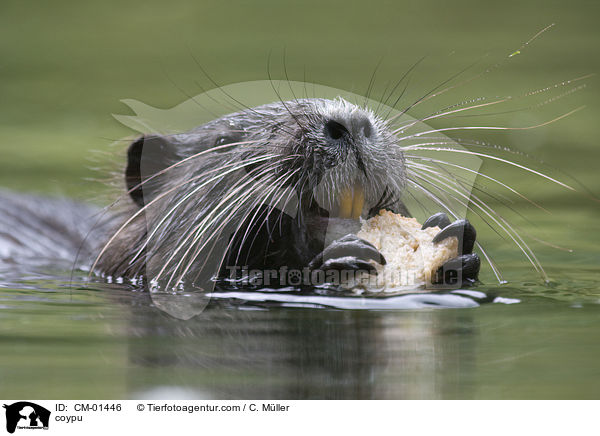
[[26, 415]]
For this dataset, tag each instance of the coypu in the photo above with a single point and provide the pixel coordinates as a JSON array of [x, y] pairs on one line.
[[277, 186]]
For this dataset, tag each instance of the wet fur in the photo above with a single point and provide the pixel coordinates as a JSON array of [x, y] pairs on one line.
[[279, 151]]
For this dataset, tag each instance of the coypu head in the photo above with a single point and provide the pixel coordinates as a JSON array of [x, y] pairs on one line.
[[342, 156], [261, 188]]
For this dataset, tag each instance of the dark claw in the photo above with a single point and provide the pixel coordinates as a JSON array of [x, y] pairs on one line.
[[348, 263], [353, 238], [349, 246], [440, 220], [465, 233], [462, 270]]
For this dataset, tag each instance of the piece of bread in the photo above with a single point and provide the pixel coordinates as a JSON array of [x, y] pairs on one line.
[[412, 258]]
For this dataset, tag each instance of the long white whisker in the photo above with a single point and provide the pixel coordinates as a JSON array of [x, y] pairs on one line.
[[199, 226], [507, 228], [448, 129], [216, 231], [443, 114], [405, 125], [194, 191], [259, 199], [283, 191], [488, 156], [187, 159], [472, 78], [514, 191], [160, 196], [210, 218]]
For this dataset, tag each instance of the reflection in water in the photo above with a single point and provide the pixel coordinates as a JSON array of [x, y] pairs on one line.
[[299, 353], [109, 341]]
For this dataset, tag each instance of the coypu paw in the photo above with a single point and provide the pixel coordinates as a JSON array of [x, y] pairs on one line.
[[463, 269], [349, 253], [440, 220]]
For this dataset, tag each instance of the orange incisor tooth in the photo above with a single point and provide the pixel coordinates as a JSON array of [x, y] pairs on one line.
[[358, 203], [352, 201], [346, 203]]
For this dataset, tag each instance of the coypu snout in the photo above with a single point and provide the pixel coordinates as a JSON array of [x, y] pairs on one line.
[[356, 128]]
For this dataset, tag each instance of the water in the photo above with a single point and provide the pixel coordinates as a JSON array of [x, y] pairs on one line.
[[65, 69], [520, 340]]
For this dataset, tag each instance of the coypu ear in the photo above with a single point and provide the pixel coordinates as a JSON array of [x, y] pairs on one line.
[[146, 157]]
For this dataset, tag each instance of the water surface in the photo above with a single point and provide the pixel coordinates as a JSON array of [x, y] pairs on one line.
[[519, 340]]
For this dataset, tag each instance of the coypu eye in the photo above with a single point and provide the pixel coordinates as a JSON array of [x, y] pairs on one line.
[[334, 130], [222, 140], [227, 138]]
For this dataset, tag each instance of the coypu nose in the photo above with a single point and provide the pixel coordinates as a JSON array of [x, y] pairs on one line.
[[335, 130], [358, 127]]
